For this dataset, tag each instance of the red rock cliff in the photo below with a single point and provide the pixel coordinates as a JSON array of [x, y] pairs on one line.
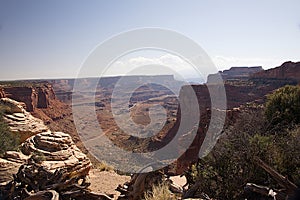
[[288, 70], [33, 97], [45, 94]]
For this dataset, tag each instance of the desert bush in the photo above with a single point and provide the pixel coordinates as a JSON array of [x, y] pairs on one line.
[[283, 106], [8, 140], [103, 166], [5, 109], [224, 173]]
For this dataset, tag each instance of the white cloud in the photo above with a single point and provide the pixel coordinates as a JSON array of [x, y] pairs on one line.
[[162, 64], [224, 62]]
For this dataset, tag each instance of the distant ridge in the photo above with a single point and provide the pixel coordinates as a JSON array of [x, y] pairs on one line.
[[234, 73], [288, 70]]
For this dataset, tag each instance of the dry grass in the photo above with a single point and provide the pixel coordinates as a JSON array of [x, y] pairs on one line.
[[103, 166], [5, 109], [160, 192]]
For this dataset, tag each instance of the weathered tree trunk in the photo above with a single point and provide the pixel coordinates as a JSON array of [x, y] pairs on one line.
[[289, 188], [280, 179]]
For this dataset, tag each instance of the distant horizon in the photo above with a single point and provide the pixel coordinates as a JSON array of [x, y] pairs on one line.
[[119, 75]]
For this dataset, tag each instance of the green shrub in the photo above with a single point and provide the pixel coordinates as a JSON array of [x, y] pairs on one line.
[[283, 106], [5, 109], [8, 140], [224, 173]]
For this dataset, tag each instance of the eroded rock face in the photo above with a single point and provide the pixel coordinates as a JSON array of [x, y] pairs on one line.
[[47, 161], [22, 94], [9, 165], [56, 151], [54, 162], [33, 96], [44, 95], [20, 121]]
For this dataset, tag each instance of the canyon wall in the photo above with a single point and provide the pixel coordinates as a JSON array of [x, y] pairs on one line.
[[63, 87], [33, 96]]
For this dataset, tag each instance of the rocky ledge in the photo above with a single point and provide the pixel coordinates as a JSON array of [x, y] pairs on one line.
[[52, 152], [20, 121], [49, 164]]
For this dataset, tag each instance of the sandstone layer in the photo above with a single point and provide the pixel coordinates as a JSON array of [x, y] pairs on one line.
[[20, 121], [48, 161]]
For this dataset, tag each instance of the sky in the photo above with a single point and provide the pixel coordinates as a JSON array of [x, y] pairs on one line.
[[52, 39]]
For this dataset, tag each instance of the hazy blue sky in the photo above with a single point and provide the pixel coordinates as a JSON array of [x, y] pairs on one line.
[[43, 39]]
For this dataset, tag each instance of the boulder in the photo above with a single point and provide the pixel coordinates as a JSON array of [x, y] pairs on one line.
[[55, 151]]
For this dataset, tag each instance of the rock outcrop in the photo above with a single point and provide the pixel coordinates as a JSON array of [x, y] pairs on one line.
[[288, 70], [53, 151], [56, 151], [47, 161], [9, 165], [20, 121], [56, 154]]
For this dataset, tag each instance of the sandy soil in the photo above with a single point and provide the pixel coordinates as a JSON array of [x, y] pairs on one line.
[[106, 182], [178, 180]]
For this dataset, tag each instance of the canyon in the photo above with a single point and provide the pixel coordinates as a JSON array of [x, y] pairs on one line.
[[51, 101]]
